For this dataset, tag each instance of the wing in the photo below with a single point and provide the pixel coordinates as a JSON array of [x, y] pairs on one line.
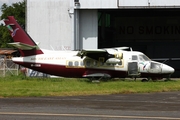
[[92, 53], [102, 55], [96, 54]]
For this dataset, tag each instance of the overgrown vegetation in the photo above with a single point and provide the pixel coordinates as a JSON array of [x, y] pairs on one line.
[[18, 11], [14, 86]]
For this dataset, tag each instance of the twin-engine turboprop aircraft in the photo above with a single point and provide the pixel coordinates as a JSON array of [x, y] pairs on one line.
[[94, 63]]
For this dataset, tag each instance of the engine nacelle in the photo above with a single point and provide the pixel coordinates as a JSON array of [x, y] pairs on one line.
[[113, 60]]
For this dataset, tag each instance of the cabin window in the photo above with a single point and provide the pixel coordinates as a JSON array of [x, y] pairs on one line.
[[88, 63], [95, 63], [134, 57], [91, 63], [70, 63], [81, 63], [76, 63]]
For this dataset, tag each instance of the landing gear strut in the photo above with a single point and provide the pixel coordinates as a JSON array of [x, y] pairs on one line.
[[168, 78]]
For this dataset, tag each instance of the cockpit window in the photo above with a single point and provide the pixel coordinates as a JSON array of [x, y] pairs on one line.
[[155, 66], [143, 58]]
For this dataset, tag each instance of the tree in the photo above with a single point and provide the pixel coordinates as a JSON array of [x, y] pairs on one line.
[[18, 11]]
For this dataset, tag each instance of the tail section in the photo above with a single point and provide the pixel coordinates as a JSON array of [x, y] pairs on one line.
[[22, 40]]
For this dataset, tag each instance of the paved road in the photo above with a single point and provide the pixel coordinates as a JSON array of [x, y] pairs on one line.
[[156, 106]]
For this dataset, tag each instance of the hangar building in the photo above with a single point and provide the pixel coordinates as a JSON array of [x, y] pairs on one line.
[[149, 26]]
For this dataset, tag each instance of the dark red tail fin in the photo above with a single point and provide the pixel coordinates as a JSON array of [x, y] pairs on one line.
[[21, 39]]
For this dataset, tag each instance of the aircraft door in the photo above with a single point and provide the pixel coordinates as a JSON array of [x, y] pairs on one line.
[[133, 66]]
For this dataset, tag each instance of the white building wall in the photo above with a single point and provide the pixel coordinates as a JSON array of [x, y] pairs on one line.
[[49, 23], [88, 29]]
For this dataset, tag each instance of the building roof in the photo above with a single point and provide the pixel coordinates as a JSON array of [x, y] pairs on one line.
[[7, 52]]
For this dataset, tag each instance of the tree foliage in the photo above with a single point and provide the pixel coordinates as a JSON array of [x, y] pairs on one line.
[[18, 11]]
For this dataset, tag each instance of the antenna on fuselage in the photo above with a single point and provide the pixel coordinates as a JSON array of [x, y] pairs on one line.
[[130, 48], [52, 47]]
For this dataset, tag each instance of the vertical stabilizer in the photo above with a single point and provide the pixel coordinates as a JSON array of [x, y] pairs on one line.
[[22, 40]]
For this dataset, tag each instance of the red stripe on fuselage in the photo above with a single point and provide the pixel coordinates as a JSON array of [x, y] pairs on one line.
[[60, 70]]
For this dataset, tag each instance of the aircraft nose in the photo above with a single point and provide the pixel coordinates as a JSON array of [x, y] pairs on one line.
[[167, 69]]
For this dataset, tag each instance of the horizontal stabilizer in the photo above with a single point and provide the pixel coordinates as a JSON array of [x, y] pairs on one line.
[[23, 46], [22, 40]]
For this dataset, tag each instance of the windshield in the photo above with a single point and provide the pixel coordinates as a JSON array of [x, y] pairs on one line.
[[144, 58]]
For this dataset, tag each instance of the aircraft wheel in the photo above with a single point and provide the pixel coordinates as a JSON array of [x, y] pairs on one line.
[[95, 79], [144, 80]]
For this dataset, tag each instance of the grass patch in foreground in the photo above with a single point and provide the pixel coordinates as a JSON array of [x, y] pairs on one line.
[[19, 87]]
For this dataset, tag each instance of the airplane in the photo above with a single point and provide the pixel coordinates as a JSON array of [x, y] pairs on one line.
[[103, 63]]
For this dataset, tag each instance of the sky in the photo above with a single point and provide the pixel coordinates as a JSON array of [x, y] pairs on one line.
[[8, 2]]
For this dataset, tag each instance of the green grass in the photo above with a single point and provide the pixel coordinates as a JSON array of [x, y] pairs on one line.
[[21, 86]]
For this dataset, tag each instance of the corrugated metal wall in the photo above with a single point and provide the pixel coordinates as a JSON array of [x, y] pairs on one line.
[[50, 23]]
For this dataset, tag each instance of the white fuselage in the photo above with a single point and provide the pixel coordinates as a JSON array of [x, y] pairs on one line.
[[133, 63]]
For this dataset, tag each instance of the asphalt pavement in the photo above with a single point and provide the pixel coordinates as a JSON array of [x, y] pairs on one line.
[[148, 106]]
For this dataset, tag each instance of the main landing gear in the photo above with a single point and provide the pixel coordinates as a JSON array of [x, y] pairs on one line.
[[155, 79], [143, 80], [98, 79]]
